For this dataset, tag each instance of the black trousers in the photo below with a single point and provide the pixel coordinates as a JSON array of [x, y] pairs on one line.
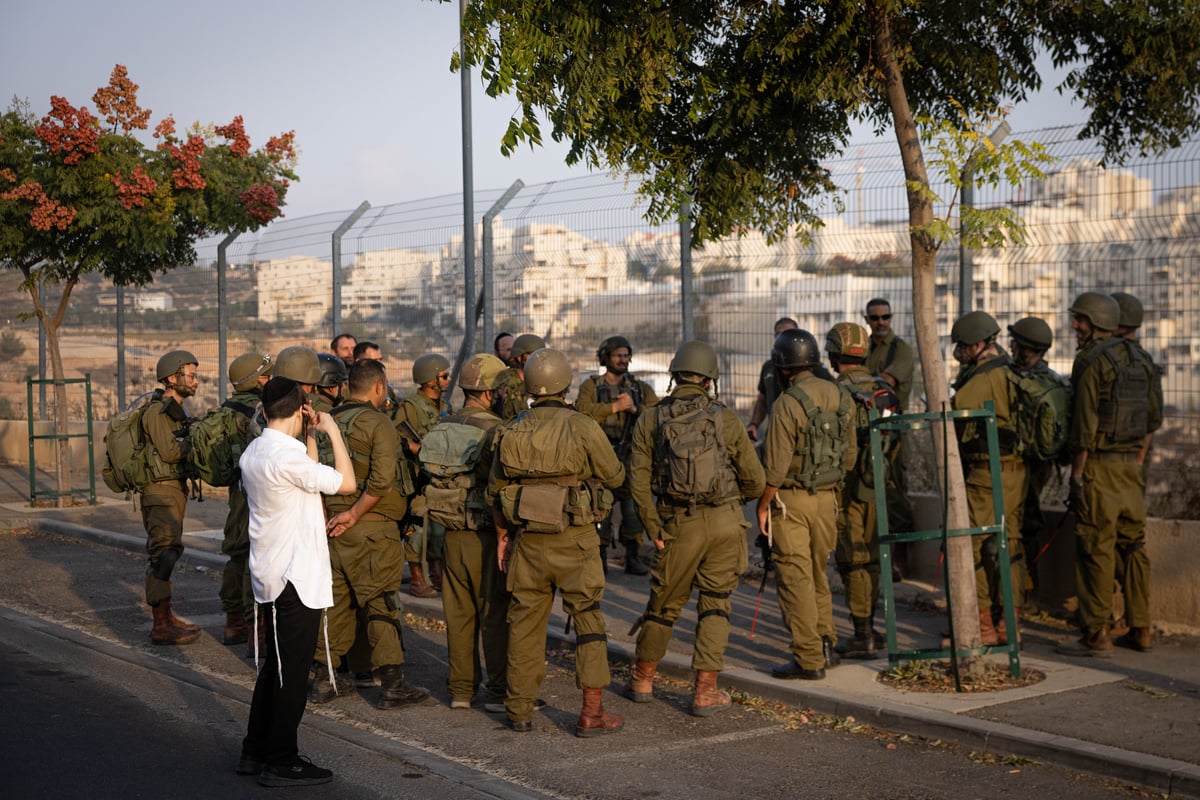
[[275, 710]]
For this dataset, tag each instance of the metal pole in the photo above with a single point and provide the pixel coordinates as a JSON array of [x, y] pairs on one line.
[[120, 348], [685, 271], [336, 246], [42, 355], [488, 277], [468, 195], [222, 316]]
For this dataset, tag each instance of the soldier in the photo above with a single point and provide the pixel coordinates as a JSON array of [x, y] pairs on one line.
[[419, 412], [1117, 406], [299, 364], [697, 526], [857, 551], [457, 455], [248, 373], [364, 546], [343, 347], [892, 359], [164, 500], [985, 375], [615, 400], [768, 385], [329, 389], [550, 480], [1031, 340], [502, 346], [810, 447], [514, 400]]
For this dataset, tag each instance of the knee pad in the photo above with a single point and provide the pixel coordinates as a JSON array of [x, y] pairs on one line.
[[164, 565]]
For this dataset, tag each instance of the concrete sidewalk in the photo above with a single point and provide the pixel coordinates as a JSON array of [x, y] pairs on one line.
[[1134, 717]]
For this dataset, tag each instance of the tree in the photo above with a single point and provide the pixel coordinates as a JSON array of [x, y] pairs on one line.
[[734, 104], [82, 194]]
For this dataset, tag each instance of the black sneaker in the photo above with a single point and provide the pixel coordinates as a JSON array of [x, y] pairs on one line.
[[792, 671], [301, 772]]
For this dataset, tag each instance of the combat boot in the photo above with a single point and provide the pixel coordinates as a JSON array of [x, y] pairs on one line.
[[593, 719], [707, 699], [236, 631], [832, 659], [1002, 629], [394, 692], [1136, 639], [634, 565], [435, 573], [324, 689], [163, 632], [1096, 645], [862, 646], [417, 587], [176, 622], [640, 688], [987, 631]]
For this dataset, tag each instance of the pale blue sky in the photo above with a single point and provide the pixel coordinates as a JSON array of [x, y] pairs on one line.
[[365, 85]]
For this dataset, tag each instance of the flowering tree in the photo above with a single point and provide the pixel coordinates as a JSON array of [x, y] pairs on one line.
[[83, 192]]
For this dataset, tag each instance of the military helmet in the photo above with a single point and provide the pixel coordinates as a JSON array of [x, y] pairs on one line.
[[245, 369], [333, 371], [974, 327], [795, 349], [299, 364], [696, 357], [426, 368], [1103, 311], [847, 339], [481, 373], [525, 344], [547, 372], [1131, 310], [174, 361], [609, 345], [1032, 332]]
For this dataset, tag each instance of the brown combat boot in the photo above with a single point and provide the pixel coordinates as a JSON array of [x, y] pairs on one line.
[[176, 622], [1002, 629], [164, 632], [236, 630], [435, 573], [417, 587], [593, 719], [640, 688], [1097, 645], [987, 631], [707, 699], [1136, 639]]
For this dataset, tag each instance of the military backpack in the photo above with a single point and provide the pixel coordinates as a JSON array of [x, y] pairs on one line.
[[826, 439], [1041, 411], [218, 440], [125, 468], [450, 454], [540, 454], [691, 461], [872, 394], [1131, 406]]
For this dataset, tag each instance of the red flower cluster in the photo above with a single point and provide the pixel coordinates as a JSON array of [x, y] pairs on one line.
[[8, 175], [69, 130], [165, 129], [47, 212], [282, 147], [261, 202], [135, 192], [118, 102], [235, 132], [187, 174]]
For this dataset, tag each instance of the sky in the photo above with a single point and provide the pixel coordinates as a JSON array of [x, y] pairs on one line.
[[365, 85]]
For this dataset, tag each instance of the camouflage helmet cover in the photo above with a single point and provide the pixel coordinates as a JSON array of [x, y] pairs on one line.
[[482, 373], [846, 339], [245, 369]]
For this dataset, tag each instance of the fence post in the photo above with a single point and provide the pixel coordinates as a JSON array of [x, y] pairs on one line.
[[120, 348], [222, 316], [488, 278], [685, 270], [336, 246]]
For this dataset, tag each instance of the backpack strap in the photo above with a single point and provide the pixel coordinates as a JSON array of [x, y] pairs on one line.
[[241, 408]]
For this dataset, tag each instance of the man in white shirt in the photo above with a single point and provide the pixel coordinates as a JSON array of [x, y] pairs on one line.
[[290, 573]]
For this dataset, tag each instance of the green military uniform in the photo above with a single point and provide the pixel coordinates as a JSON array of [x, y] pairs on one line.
[[367, 558], [568, 562], [857, 551], [896, 356], [164, 500], [988, 379], [804, 530], [237, 593], [515, 399], [1110, 529], [704, 546], [1039, 474], [474, 592], [596, 396], [422, 414]]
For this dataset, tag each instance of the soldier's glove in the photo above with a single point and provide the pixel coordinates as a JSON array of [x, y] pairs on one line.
[[1075, 495]]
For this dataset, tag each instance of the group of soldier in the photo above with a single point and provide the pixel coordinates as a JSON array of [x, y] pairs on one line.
[[510, 499]]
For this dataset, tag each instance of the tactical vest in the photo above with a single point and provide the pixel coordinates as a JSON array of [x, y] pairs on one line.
[[544, 461], [450, 455], [1130, 406], [820, 462], [1007, 434], [345, 416], [691, 462], [870, 393], [617, 427], [157, 469]]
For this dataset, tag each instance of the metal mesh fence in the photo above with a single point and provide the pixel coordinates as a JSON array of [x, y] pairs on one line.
[[575, 261]]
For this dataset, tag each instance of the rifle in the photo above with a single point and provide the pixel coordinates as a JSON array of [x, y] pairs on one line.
[[625, 443], [763, 543]]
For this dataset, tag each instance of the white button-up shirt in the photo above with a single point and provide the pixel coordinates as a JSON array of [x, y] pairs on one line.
[[287, 519]]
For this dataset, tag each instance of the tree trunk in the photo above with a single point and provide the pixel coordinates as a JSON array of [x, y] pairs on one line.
[[959, 556], [62, 412]]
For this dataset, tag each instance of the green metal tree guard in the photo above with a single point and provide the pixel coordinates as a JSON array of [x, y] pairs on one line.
[[34, 494]]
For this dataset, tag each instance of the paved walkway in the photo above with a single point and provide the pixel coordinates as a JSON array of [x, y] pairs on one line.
[[1134, 717]]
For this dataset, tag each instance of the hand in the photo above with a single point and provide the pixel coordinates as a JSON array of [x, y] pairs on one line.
[[323, 421], [1075, 495], [752, 431], [659, 544], [624, 402], [502, 553], [339, 523]]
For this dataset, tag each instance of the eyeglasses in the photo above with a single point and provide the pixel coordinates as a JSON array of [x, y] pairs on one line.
[[193, 376], [444, 376], [879, 317]]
